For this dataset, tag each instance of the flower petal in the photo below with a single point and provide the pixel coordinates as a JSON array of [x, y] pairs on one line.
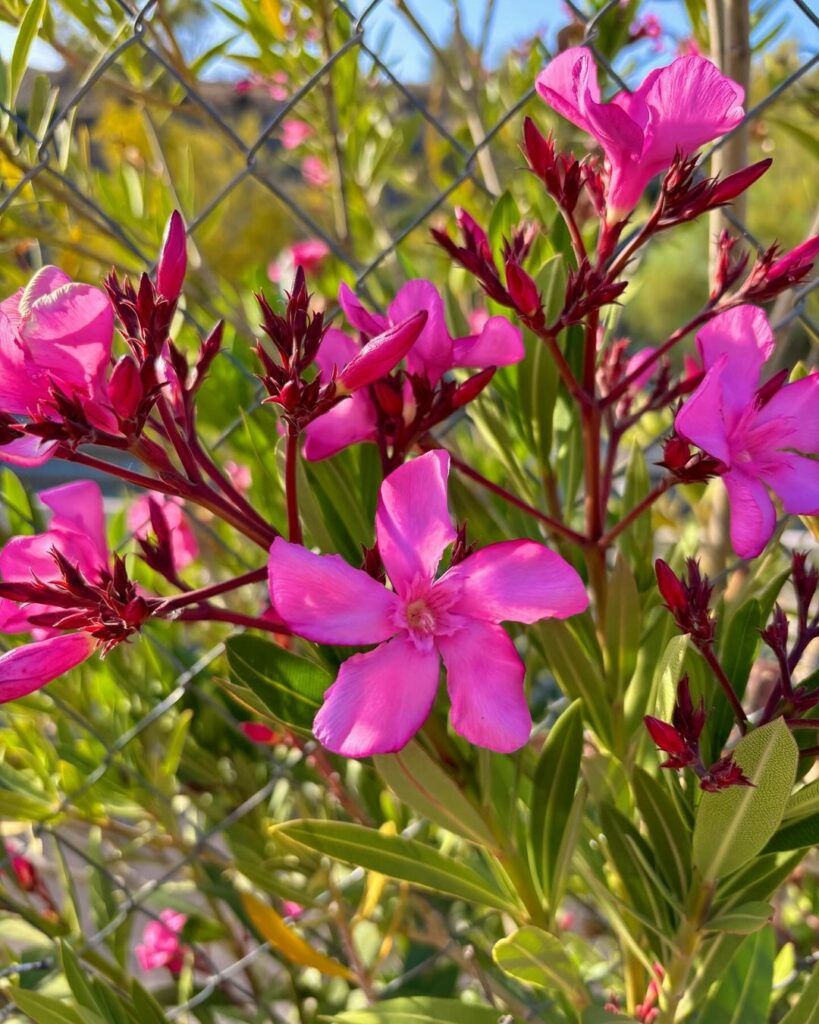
[[26, 669], [27, 451], [753, 516], [382, 353], [795, 480], [499, 343], [78, 508], [364, 321], [689, 102], [335, 351], [350, 422], [565, 83], [412, 523], [431, 355], [701, 419], [484, 678], [379, 700], [516, 581], [322, 598], [744, 338], [794, 414]]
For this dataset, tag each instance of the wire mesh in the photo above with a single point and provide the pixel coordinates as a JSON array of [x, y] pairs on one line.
[[137, 30]]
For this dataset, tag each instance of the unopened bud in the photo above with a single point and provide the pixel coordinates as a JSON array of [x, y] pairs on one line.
[[125, 388], [173, 259], [523, 290], [471, 388]]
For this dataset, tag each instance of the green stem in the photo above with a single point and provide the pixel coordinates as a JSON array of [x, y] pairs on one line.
[[687, 943]]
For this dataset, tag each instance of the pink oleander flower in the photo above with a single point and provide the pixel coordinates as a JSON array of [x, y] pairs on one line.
[[314, 171], [309, 255], [292, 909], [762, 435], [648, 26], [54, 333], [679, 107], [258, 732], [689, 47], [477, 320], [184, 547], [381, 699], [76, 529], [295, 133], [26, 669], [161, 945], [24, 871], [239, 475], [434, 353]]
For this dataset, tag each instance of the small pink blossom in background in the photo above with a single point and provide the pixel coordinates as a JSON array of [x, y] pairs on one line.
[[76, 529], [291, 909], [53, 332], [24, 871], [762, 435], [258, 732], [679, 107], [239, 476], [278, 93], [634, 364], [161, 945], [314, 171], [648, 26], [477, 320], [435, 352], [382, 698], [689, 47], [184, 546], [295, 133], [309, 255]]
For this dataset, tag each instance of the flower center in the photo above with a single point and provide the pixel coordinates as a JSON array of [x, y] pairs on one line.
[[420, 618], [425, 612]]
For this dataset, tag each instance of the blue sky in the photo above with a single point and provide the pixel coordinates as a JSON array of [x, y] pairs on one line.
[[514, 21]]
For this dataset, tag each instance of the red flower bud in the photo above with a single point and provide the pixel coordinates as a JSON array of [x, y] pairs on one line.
[[289, 396], [125, 388], [472, 387], [523, 290], [664, 735], [539, 151], [671, 588], [173, 259], [383, 353]]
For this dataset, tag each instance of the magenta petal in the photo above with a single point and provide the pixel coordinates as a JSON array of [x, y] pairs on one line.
[[352, 421], [173, 259], [498, 344], [26, 669], [689, 103], [743, 337], [379, 700], [27, 451], [753, 516], [412, 522], [565, 83], [382, 353], [18, 393], [70, 332], [78, 507], [795, 480], [431, 355], [701, 419], [324, 599], [793, 413], [516, 581], [368, 323], [484, 678], [335, 351]]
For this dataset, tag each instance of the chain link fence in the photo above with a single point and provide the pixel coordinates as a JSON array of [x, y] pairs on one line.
[[135, 29]]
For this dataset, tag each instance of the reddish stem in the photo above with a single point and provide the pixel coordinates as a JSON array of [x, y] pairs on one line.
[[739, 712], [209, 614], [638, 510], [204, 593], [291, 486]]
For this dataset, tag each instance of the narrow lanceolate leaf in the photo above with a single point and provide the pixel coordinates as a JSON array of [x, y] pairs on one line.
[[742, 920], [803, 803], [734, 825], [46, 1010], [537, 958], [553, 787], [425, 787], [669, 836], [285, 941], [622, 628], [743, 993], [667, 676], [795, 835], [577, 674], [27, 33], [419, 1010], [404, 859], [806, 1008], [291, 688]]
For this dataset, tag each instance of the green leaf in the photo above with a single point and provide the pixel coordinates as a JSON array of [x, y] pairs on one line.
[[290, 687], [15, 501], [669, 671], [26, 34], [45, 1010], [20, 807], [804, 802], [76, 978], [420, 1010], [505, 216], [635, 541], [422, 784], [795, 836], [806, 1009], [734, 825], [553, 787], [744, 990], [538, 958], [405, 859], [742, 920], [578, 676], [147, 1008], [670, 838], [737, 653], [622, 628]]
